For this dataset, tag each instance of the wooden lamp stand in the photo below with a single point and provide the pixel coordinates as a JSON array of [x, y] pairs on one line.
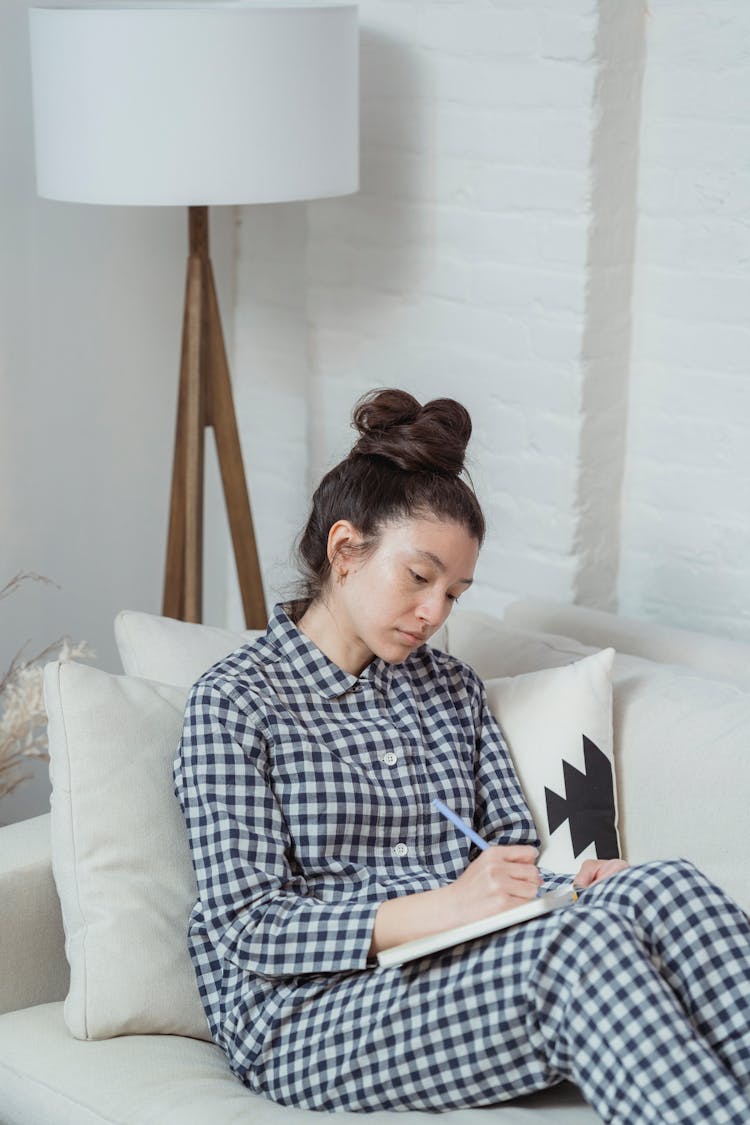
[[205, 399]]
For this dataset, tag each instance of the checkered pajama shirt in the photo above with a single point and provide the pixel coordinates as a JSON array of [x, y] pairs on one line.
[[307, 794]]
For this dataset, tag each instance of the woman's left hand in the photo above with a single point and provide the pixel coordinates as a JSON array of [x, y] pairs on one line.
[[594, 870]]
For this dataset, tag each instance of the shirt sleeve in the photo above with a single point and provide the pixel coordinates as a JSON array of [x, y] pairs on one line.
[[253, 900]]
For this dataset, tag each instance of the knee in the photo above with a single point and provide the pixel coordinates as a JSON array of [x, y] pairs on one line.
[[652, 891], [587, 945], [671, 871], [664, 878], [670, 878], [586, 937]]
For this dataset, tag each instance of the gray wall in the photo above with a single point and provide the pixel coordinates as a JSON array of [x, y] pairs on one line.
[[90, 325]]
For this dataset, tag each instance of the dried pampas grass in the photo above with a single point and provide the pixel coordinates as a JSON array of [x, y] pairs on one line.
[[23, 719]]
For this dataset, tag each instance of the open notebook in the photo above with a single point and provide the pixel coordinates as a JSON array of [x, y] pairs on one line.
[[420, 947]]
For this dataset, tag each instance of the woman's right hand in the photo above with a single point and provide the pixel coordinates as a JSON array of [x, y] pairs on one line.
[[501, 877]]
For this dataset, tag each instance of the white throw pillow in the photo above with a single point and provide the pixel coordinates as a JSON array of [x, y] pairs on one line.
[[558, 726], [121, 860], [170, 651]]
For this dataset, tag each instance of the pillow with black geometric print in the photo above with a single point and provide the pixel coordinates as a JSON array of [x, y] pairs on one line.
[[558, 726]]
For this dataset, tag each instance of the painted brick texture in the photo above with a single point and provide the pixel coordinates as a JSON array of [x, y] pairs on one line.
[[685, 531], [459, 269], [552, 228]]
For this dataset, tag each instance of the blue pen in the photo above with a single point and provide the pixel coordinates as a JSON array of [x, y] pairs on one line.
[[461, 824]]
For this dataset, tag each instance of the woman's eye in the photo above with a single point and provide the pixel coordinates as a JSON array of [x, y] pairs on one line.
[[419, 578]]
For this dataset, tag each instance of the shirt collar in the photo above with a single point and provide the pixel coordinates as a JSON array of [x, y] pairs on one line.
[[314, 666]]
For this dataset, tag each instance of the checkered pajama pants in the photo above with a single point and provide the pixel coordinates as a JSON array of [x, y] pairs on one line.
[[640, 994]]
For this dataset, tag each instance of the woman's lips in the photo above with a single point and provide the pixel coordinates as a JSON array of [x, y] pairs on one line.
[[414, 638]]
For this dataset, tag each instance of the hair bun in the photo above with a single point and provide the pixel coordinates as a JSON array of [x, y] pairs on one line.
[[416, 438]]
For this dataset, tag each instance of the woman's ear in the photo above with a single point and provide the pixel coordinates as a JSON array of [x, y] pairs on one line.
[[341, 538]]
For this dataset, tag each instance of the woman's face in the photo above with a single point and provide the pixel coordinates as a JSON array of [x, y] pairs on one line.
[[393, 600]]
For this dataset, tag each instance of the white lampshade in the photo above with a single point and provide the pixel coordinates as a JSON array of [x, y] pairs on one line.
[[195, 104]]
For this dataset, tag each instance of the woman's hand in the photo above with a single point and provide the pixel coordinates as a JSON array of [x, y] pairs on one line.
[[594, 870], [499, 878]]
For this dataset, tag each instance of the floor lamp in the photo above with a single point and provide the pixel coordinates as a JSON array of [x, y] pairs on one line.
[[193, 104]]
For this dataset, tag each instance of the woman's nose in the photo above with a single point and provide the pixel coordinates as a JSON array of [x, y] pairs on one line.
[[431, 608]]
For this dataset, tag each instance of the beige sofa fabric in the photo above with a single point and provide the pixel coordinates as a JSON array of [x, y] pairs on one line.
[[48, 1078], [683, 767], [494, 648], [33, 968], [717, 657]]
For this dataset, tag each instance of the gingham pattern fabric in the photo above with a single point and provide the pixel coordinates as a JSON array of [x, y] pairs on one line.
[[307, 797]]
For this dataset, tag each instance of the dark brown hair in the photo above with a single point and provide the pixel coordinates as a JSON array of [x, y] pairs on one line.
[[407, 463]]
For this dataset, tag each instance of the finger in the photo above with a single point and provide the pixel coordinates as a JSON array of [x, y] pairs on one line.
[[612, 867], [588, 872], [524, 872], [526, 884], [502, 875], [521, 892], [520, 853], [503, 867]]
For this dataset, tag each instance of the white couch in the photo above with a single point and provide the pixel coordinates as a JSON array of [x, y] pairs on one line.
[[681, 732]]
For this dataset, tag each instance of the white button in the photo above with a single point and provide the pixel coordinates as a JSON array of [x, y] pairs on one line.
[[390, 758], [400, 850]]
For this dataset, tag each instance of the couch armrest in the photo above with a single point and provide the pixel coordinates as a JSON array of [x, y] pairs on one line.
[[33, 969]]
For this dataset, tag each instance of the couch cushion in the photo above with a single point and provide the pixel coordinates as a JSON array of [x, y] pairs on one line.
[[558, 724], [719, 658], [49, 1078], [683, 767], [119, 853], [170, 651], [494, 648]]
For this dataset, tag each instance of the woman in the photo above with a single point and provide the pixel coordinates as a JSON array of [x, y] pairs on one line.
[[306, 774]]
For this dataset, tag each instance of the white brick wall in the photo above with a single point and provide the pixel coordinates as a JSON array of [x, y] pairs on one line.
[[685, 533], [605, 357], [511, 153], [460, 267]]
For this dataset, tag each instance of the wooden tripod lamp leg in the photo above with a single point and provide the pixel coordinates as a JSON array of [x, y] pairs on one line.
[[229, 453], [205, 399], [183, 577]]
